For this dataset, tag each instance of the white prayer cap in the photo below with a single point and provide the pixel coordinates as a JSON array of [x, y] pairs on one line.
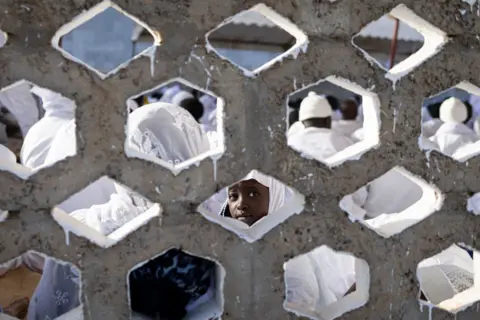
[[314, 106], [453, 110]]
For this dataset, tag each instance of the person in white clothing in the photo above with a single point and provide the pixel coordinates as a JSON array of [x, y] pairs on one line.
[[453, 134], [348, 124], [59, 115], [317, 139], [430, 125]]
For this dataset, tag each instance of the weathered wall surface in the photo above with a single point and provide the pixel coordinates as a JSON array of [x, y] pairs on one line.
[[255, 122]]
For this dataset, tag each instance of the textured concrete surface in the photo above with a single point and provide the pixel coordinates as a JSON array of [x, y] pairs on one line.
[[254, 286]]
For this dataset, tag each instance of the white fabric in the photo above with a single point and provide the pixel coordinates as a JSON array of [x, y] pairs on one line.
[[314, 106], [209, 117], [319, 143], [8, 162], [430, 127], [444, 275], [295, 128], [453, 110], [360, 114], [473, 204], [166, 131], [108, 217], [169, 93], [21, 103], [476, 125], [31, 259], [358, 135], [278, 191], [346, 127], [319, 278], [59, 113], [450, 136], [105, 205], [3, 38], [475, 102], [180, 96]]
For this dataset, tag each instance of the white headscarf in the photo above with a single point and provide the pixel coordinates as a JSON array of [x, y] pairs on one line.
[[167, 132], [278, 192], [59, 114]]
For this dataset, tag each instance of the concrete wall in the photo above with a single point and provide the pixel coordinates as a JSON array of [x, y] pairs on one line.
[[255, 123]]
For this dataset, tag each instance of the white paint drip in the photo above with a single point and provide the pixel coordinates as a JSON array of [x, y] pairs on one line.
[[67, 235], [471, 3], [214, 161], [430, 312], [395, 114], [200, 59], [150, 53]]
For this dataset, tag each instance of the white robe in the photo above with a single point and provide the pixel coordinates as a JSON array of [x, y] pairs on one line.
[[320, 143], [295, 128], [430, 127], [346, 127], [450, 136], [59, 114]]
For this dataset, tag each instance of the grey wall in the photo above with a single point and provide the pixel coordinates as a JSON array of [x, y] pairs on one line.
[[254, 121]]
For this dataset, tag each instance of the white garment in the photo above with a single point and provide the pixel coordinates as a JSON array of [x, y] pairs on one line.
[[181, 95], [475, 102], [346, 127], [476, 125], [278, 191], [426, 115], [105, 205], [21, 103], [360, 113], [473, 204], [319, 278], [450, 136], [167, 132], [430, 127], [8, 162], [444, 275], [320, 143], [295, 128], [169, 93], [59, 114]]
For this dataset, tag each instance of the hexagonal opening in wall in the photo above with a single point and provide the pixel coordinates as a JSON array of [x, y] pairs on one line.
[[255, 39], [37, 128], [393, 202], [176, 125], [399, 41], [451, 122], [323, 284], [106, 39], [450, 280], [105, 212], [332, 121], [35, 286], [176, 285], [252, 206]]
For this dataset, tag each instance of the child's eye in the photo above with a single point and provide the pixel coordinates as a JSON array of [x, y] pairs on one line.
[[252, 194]]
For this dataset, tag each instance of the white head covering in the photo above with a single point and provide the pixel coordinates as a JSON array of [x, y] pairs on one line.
[[314, 106], [165, 131], [453, 110], [180, 96], [59, 114], [276, 189]]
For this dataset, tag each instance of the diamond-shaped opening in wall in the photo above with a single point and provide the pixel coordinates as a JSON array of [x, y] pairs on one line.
[[37, 128], [393, 202], [255, 39], [106, 39], [399, 41], [176, 285], [450, 280], [252, 206], [176, 125], [105, 212], [323, 284], [333, 121], [451, 122], [35, 286], [3, 38]]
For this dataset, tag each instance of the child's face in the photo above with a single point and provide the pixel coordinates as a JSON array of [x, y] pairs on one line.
[[248, 201]]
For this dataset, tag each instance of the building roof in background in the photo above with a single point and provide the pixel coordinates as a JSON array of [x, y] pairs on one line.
[[383, 28]]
